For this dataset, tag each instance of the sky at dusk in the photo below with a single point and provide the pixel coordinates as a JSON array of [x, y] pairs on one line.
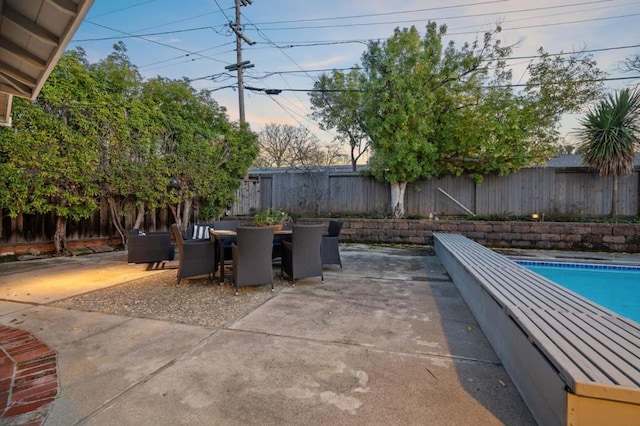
[[295, 41]]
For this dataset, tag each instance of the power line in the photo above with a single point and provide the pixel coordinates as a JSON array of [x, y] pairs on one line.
[[182, 20], [572, 12], [188, 54], [284, 53], [306, 71], [121, 9], [381, 14], [151, 27], [604, 49], [172, 64], [281, 76], [473, 15], [291, 112], [320, 43], [186, 30], [268, 74], [275, 45], [258, 89], [555, 24], [350, 17], [222, 10], [581, 81], [633, 46], [213, 77], [143, 36], [298, 43], [215, 89], [315, 43], [154, 41]]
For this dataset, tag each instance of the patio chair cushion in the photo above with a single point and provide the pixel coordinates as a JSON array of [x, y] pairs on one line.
[[201, 232]]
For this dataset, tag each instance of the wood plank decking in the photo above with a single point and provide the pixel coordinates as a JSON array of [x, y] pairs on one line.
[[573, 361]]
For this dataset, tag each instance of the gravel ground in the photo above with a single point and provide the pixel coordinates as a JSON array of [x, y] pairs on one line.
[[196, 301]]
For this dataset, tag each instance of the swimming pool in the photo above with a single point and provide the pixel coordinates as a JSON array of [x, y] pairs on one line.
[[614, 287]]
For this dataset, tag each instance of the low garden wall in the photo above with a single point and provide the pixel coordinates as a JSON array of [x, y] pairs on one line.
[[610, 237]]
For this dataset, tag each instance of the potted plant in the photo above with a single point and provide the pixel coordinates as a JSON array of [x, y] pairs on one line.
[[271, 217]]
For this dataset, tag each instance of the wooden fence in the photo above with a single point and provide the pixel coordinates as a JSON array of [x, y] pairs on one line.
[[552, 191], [331, 192]]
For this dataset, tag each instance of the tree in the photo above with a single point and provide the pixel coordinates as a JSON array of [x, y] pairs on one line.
[[283, 145], [632, 63], [430, 108], [129, 168], [199, 149], [610, 135], [276, 143], [565, 148], [559, 84], [50, 159], [100, 131], [320, 155], [411, 85], [336, 104]]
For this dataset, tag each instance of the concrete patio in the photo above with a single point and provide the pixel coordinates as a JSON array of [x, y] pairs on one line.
[[386, 340]]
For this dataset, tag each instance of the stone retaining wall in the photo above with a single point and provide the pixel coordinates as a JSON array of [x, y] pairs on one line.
[[532, 235]]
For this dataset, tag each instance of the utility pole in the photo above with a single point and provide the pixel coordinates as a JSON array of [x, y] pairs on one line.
[[240, 65]]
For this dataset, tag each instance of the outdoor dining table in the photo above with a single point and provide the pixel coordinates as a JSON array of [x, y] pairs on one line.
[[221, 236]]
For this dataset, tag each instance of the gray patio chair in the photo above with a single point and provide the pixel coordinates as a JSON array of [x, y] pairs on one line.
[[252, 256], [226, 225], [301, 256], [330, 247], [197, 257], [154, 248]]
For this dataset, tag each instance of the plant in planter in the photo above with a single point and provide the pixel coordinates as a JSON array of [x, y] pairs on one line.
[[269, 217]]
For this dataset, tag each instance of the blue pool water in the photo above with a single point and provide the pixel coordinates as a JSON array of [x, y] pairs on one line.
[[614, 287]]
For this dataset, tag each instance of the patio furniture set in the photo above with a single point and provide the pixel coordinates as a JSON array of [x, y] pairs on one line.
[[250, 251]]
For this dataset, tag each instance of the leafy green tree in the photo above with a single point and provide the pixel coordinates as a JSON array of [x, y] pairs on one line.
[[100, 131], [50, 159], [128, 162], [199, 148], [610, 136], [411, 85], [558, 84], [430, 108], [336, 104], [503, 130]]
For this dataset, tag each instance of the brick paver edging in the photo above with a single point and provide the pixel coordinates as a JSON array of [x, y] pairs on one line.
[[28, 378]]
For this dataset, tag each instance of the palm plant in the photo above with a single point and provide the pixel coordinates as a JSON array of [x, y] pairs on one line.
[[609, 134]]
